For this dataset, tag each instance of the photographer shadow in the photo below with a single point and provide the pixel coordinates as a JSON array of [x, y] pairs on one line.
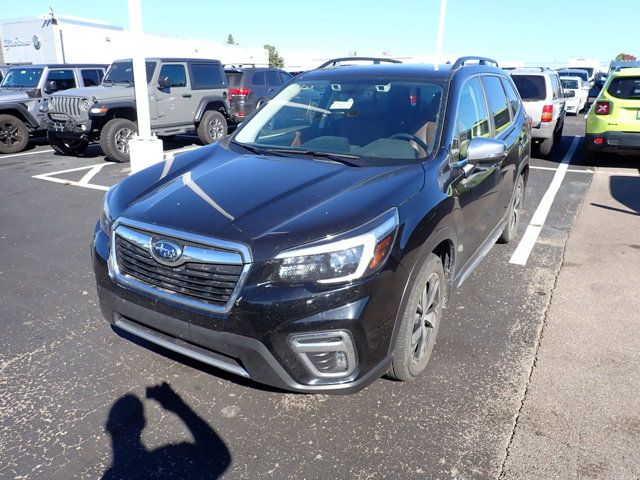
[[207, 457]]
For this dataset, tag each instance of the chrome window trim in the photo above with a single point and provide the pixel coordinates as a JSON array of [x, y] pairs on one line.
[[242, 251]]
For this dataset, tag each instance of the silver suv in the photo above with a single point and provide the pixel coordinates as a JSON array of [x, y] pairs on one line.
[[24, 88], [185, 95], [543, 99]]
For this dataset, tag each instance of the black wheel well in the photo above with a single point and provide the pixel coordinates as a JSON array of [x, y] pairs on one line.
[[444, 251], [18, 114], [123, 112], [525, 172], [217, 106]]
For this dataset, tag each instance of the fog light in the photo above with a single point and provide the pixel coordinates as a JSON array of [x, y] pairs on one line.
[[326, 354], [83, 127], [598, 140]]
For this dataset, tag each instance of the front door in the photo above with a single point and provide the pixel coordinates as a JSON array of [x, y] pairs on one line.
[[477, 193], [176, 104]]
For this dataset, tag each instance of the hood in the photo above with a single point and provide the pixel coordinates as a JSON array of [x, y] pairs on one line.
[[11, 95], [269, 203], [100, 92]]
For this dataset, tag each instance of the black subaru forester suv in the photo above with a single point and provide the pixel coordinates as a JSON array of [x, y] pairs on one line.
[[314, 249]]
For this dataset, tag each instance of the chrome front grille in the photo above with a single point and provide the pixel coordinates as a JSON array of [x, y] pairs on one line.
[[205, 276], [66, 104]]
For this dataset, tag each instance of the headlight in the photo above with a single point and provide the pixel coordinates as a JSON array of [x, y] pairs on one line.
[[44, 106], [344, 260], [86, 104], [105, 216]]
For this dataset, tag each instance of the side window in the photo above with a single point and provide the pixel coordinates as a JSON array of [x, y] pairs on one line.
[[273, 79], [557, 90], [64, 78], [512, 96], [497, 103], [472, 119], [258, 79], [284, 77], [176, 73], [206, 75], [91, 78]]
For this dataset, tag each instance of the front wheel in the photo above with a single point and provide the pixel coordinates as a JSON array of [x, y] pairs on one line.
[[420, 322], [212, 127], [14, 135], [514, 213], [115, 136], [71, 147]]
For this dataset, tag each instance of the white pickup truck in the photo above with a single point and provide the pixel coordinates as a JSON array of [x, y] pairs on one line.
[[577, 101]]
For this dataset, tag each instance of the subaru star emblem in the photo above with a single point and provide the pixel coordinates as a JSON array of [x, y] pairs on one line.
[[165, 251]]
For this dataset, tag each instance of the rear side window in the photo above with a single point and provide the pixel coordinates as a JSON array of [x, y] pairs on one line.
[[258, 79], [92, 77], [532, 88], [625, 87], [176, 74], [64, 78], [497, 103], [284, 77], [512, 96], [206, 75], [473, 118], [273, 79]]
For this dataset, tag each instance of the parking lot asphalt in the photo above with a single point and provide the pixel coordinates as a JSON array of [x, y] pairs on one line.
[[77, 400]]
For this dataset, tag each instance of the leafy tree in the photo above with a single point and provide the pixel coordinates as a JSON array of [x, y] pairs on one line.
[[625, 57], [275, 60], [230, 40]]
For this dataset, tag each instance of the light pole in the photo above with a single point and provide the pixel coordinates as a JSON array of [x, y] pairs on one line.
[[145, 149], [443, 14]]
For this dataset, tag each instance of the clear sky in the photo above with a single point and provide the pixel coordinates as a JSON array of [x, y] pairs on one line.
[[531, 31]]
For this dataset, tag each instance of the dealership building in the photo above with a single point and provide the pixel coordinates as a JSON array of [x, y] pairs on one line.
[[63, 39]]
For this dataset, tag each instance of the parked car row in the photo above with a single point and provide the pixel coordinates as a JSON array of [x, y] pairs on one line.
[[74, 105]]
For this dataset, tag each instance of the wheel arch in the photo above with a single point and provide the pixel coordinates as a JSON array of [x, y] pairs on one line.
[[20, 112], [216, 103]]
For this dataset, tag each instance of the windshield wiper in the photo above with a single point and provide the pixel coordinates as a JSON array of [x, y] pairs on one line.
[[251, 148], [336, 157]]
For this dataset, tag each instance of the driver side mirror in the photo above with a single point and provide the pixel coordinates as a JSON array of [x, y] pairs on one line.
[[51, 86], [164, 83], [569, 94]]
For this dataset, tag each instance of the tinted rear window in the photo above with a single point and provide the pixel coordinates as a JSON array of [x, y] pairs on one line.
[[625, 87], [569, 84], [233, 78], [206, 75], [530, 87]]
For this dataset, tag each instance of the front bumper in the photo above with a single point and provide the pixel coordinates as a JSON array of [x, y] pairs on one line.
[[69, 127], [253, 339], [614, 142]]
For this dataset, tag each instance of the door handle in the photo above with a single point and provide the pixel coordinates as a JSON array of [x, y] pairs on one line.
[[186, 95]]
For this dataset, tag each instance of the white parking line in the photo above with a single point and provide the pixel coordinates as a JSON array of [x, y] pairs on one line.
[[84, 181], [24, 153], [569, 170], [522, 252]]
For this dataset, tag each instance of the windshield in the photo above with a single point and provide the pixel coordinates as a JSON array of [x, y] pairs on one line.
[[22, 78], [122, 72], [355, 116], [569, 84]]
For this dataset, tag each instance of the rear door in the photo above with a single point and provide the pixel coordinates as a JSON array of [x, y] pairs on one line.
[[625, 95], [477, 193]]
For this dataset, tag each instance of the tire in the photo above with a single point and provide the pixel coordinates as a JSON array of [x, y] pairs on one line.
[[72, 148], [418, 331], [114, 138], [513, 220], [212, 127], [544, 147], [14, 135]]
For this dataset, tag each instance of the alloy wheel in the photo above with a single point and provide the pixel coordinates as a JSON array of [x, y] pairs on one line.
[[425, 318], [516, 204], [9, 134], [122, 138], [216, 130]]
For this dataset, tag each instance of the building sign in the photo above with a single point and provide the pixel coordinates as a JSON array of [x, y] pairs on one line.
[[17, 42]]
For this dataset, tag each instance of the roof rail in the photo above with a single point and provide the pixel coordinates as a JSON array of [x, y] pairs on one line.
[[541, 69], [245, 65], [375, 60], [481, 61]]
